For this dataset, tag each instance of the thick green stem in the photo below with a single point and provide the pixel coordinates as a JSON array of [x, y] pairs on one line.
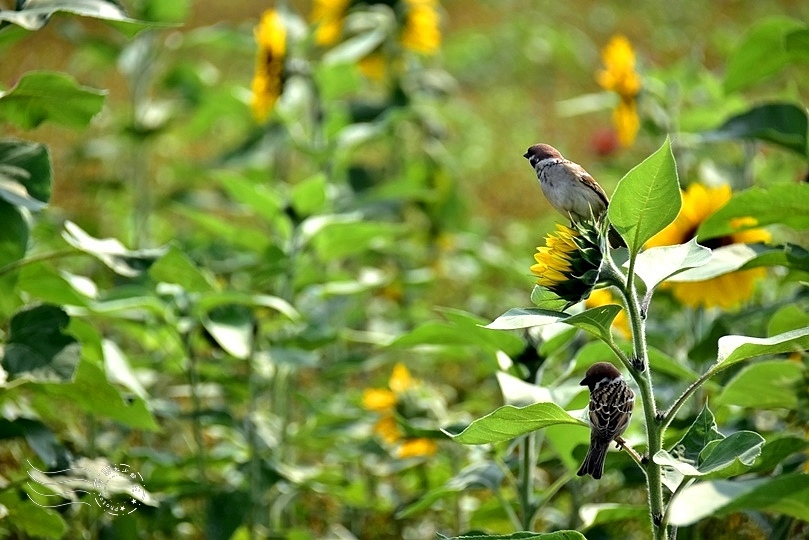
[[526, 480], [641, 373]]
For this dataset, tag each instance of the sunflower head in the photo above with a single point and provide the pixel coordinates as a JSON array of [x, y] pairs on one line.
[[399, 406], [728, 290], [267, 83], [568, 264], [619, 76], [422, 28]]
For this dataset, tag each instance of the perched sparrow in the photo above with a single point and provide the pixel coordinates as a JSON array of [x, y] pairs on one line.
[[611, 402], [568, 187]]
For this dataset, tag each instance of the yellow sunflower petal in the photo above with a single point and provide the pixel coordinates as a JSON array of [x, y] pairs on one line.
[[267, 82], [400, 379], [422, 31], [387, 429], [328, 15], [378, 400], [417, 448]]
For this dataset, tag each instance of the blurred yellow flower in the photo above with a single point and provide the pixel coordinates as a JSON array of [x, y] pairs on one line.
[[727, 290], [385, 402], [387, 429], [328, 15], [417, 448], [620, 77], [422, 31], [602, 297], [267, 84], [378, 399], [374, 66]]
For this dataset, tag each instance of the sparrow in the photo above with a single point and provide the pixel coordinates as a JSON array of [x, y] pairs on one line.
[[611, 403], [568, 187]]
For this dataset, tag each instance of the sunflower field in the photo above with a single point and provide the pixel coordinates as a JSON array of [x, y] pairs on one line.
[[279, 269]]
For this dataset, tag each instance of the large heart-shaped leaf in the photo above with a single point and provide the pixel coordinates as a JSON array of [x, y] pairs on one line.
[[509, 422], [647, 198], [43, 96]]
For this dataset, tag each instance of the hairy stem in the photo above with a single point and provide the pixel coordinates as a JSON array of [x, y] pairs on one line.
[[641, 373], [526, 480]]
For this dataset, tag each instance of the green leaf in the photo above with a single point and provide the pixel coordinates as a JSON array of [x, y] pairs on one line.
[[40, 438], [485, 474], [523, 535], [764, 385], [509, 422], [516, 318], [786, 204], [28, 164], [782, 124], [723, 458], [43, 282], [43, 96], [657, 264], [735, 349], [545, 299], [646, 199], [345, 238], [777, 450], [13, 244], [702, 431], [226, 512], [600, 514], [215, 300], [111, 252], [36, 13], [116, 364], [232, 326], [37, 347], [94, 394], [723, 260], [258, 197], [34, 520], [461, 330], [761, 55], [784, 494], [309, 196], [731, 456], [789, 317], [175, 267], [597, 320], [225, 229], [796, 44], [786, 255]]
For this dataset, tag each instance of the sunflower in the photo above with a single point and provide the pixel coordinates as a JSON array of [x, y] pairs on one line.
[[421, 32], [387, 402], [328, 15], [568, 263], [602, 297], [725, 291], [620, 77], [268, 79]]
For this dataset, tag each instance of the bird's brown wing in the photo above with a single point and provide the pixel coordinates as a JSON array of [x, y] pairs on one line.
[[584, 177], [610, 410]]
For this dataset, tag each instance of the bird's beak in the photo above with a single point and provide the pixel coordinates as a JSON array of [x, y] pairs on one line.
[[583, 382], [525, 155]]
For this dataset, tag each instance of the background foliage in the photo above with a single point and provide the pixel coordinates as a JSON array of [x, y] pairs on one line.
[[272, 320]]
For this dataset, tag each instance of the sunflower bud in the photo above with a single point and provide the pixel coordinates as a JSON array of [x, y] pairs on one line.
[[568, 265]]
